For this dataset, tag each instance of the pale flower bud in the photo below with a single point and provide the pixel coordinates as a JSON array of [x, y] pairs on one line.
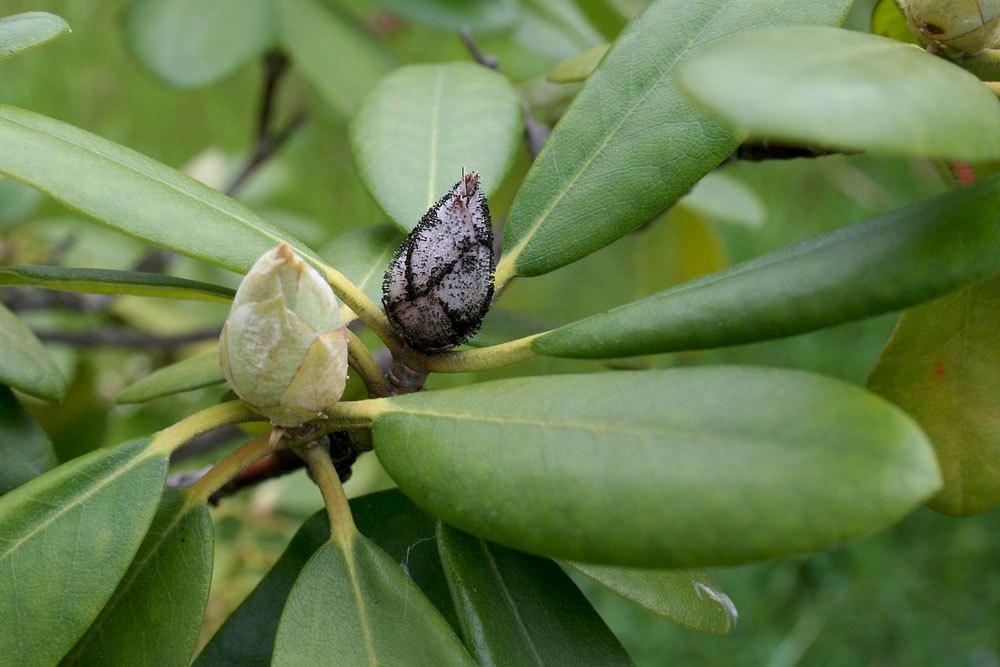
[[956, 27], [283, 348]]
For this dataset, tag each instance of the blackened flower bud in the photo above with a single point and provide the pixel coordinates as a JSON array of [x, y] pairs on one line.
[[283, 348], [440, 283]]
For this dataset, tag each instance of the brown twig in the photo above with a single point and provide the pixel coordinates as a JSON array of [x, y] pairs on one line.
[[267, 142], [535, 131], [127, 338], [206, 443], [761, 151]]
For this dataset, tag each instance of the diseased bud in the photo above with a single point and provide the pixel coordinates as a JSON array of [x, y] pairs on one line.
[[440, 283], [283, 348], [955, 27]]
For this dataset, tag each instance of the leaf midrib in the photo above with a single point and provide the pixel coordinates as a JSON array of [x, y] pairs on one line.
[[590, 426], [509, 599]]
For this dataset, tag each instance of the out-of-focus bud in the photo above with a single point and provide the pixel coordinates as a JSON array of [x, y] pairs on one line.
[[283, 348], [440, 283], [955, 27]]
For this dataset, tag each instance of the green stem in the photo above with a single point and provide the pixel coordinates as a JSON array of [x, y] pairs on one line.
[[495, 356], [348, 415], [228, 468], [359, 303], [209, 419], [504, 272], [342, 527], [362, 361]]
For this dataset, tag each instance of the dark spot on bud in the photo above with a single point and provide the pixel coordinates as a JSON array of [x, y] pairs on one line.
[[440, 283], [931, 28]]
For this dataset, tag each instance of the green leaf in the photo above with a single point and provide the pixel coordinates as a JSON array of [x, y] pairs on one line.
[[423, 124], [355, 606], [480, 16], [942, 366], [193, 43], [363, 255], [631, 143], [66, 538], [337, 57], [842, 89], [134, 194], [725, 198], [21, 32], [401, 528], [195, 372], [161, 598], [517, 609], [895, 260], [686, 597], [677, 468], [24, 448], [889, 21], [24, 363], [109, 281], [578, 67]]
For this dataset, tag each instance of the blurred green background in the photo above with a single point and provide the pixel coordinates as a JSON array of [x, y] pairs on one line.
[[926, 592]]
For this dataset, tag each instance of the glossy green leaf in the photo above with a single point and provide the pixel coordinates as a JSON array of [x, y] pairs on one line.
[[677, 468], [108, 281], [353, 606], [363, 255], [423, 124], [686, 597], [337, 57], [722, 197], [480, 16], [21, 32], [24, 363], [517, 609], [844, 89], [578, 67], [193, 43], [195, 372], [134, 194], [160, 599], [631, 143], [390, 519], [66, 538], [893, 261], [25, 450], [942, 366], [889, 21]]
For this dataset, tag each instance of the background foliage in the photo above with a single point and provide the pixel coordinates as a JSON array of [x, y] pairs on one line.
[[926, 591]]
